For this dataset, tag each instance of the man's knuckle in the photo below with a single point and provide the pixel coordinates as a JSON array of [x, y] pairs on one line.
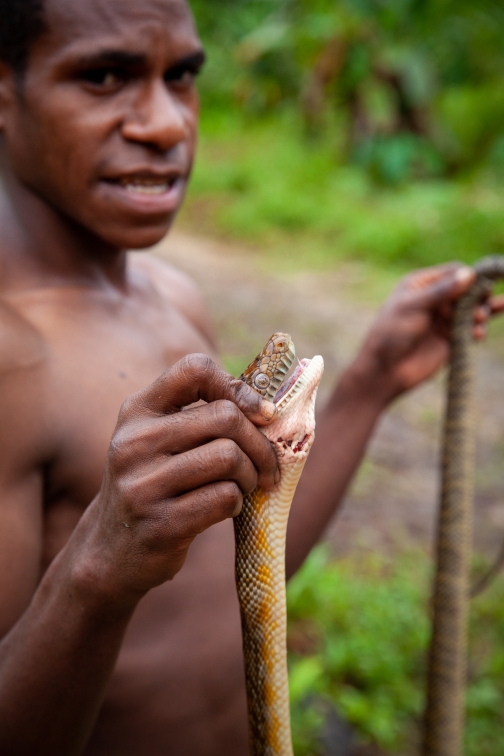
[[246, 394], [230, 455], [228, 415], [198, 367], [129, 444], [120, 452], [132, 407], [127, 493], [228, 496]]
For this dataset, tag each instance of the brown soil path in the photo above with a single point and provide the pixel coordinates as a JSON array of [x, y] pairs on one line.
[[392, 502]]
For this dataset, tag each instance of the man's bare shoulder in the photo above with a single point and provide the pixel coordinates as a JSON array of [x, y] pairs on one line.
[[179, 289], [24, 441], [22, 346]]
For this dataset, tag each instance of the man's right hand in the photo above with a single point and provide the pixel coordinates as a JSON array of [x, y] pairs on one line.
[[171, 473]]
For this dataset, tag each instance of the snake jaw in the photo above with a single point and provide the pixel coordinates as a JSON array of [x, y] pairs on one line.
[[293, 432]]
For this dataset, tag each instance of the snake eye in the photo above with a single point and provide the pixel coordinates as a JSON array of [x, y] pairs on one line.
[[261, 381], [281, 345]]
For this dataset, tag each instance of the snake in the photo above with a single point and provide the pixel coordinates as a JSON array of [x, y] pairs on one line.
[[447, 666], [260, 533]]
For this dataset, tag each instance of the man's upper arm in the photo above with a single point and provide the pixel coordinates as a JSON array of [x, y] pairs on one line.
[[21, 521]]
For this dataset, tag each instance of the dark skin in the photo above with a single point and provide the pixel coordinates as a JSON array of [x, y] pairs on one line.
[[118, 611]]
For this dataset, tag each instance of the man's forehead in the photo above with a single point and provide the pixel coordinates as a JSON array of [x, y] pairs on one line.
[[71, 20]]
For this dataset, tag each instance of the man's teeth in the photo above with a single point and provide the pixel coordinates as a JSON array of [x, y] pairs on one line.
[[147, 186]]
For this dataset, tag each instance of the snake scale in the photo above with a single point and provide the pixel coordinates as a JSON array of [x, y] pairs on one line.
[[260, 531]]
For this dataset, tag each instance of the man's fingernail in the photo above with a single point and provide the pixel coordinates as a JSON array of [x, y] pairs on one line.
[[237, 509], [268, 409], [464, 274]]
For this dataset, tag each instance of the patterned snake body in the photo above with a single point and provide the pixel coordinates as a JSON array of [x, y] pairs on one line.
[[260, 531], [444, 714]]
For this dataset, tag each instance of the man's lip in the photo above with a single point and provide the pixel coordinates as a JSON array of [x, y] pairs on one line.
[[131, 190], [144, 175]]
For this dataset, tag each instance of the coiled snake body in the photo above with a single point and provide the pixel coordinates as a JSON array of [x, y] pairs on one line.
[[260, 531]]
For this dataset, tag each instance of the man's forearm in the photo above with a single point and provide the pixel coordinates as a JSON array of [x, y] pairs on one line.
[[343, 431], [407, 344], [55, 664]]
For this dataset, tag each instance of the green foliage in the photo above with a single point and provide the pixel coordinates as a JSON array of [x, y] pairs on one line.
[[358, 636], [370, 632], [359, 129], [414, 87], [260, 181]]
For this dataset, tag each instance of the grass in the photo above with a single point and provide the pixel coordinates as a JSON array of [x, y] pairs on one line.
[[263, 183], [358, 637]]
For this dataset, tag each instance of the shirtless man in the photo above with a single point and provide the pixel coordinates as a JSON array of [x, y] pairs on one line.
[[102, 652]]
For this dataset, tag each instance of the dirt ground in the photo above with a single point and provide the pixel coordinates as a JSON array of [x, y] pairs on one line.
[[393, 500]]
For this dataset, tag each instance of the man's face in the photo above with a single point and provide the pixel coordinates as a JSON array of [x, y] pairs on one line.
[[104, 128]]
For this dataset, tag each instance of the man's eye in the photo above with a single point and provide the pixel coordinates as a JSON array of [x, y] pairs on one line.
[[181, 78], [186, 78], [102, 77]]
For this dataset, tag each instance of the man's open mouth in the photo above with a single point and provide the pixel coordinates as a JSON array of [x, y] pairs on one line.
[[144, 185]]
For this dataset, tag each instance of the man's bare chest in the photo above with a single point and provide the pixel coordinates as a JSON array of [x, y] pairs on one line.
[[93, 367]]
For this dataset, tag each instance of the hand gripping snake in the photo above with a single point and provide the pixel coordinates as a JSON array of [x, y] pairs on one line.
[[260, 531]]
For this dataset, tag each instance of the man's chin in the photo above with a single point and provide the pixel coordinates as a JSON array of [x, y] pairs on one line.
[[138, 237], [148, 238]]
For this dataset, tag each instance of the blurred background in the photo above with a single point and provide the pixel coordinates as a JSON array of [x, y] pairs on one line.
[[343, 144]]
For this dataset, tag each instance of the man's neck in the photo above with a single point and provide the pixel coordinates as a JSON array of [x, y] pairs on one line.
[[39, 246]]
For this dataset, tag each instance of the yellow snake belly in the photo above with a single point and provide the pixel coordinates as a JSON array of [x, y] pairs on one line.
[[260, 531]]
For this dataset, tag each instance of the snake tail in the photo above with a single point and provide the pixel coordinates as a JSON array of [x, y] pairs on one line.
[[260, 531], [444, 713]]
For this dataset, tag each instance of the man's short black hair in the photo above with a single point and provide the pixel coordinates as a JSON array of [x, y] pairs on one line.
[[21, 22]]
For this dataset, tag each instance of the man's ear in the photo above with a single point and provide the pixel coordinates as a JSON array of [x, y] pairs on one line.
[[7, 87]]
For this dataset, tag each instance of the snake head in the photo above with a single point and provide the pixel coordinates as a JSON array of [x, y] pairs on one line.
[[266, 372], [293, 431]]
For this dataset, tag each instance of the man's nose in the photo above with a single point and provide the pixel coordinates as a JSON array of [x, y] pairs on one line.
[[158, 118]]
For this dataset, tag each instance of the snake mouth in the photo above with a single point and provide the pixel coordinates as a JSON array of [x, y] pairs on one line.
[[292, 381]]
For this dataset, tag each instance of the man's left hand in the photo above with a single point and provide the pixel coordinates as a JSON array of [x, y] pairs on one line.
[[409, 340]]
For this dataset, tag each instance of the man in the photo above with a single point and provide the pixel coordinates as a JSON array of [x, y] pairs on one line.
[[102, 652]]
